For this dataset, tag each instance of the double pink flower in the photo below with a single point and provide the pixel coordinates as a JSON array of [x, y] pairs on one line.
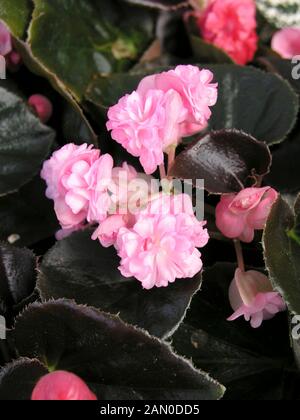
[[161, 246], [164, 108], [231, 26], [77, 180]]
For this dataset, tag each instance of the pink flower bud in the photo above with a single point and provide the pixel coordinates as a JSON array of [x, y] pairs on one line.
[[41, 106], [238, 215], [251, 295], [14, 60], [61, 386], [286, 42]]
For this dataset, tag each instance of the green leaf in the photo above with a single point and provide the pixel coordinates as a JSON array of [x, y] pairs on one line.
[[281, 242], [18, 379], [227, 160], [283, 68], [76, 43], [253, 364], [17, 276], [26, 217], [282, 252], [105, 91], [258, 103], [204, 52], [102, 350], [81, 269], [16, 14], [75, 126], [284, 175], [24, 142]]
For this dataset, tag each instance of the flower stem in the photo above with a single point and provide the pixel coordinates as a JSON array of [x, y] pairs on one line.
[[162, 171], [239, 254], [171, 158]]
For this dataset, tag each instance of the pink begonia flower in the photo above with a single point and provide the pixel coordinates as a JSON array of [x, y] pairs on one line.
[[98, 180], [5, 40], [62, 386], [129, 192], [108, 230], [197, 92], [251, 295], [239, 215], [74, 181], [286, 42], [122, 176], [41, 106], [146, 125], [162, 244], [231, 26]]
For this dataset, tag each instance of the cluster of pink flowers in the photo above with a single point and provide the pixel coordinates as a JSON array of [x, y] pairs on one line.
[[164, 108], [156, 234], [13, 58], [156, 241], [231, 26]]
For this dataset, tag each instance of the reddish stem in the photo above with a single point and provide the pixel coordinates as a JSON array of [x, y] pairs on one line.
[[162, 171], [239, 254]]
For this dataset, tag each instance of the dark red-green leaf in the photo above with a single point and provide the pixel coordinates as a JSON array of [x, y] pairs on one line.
[[284, 175], [81, 269], [285, 68], [24, 142], [282, 252], [254, 364], [17, 276], [27, 216], [208, 53], [102, 350], [227, 160], [18, 379], [259, 103]]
